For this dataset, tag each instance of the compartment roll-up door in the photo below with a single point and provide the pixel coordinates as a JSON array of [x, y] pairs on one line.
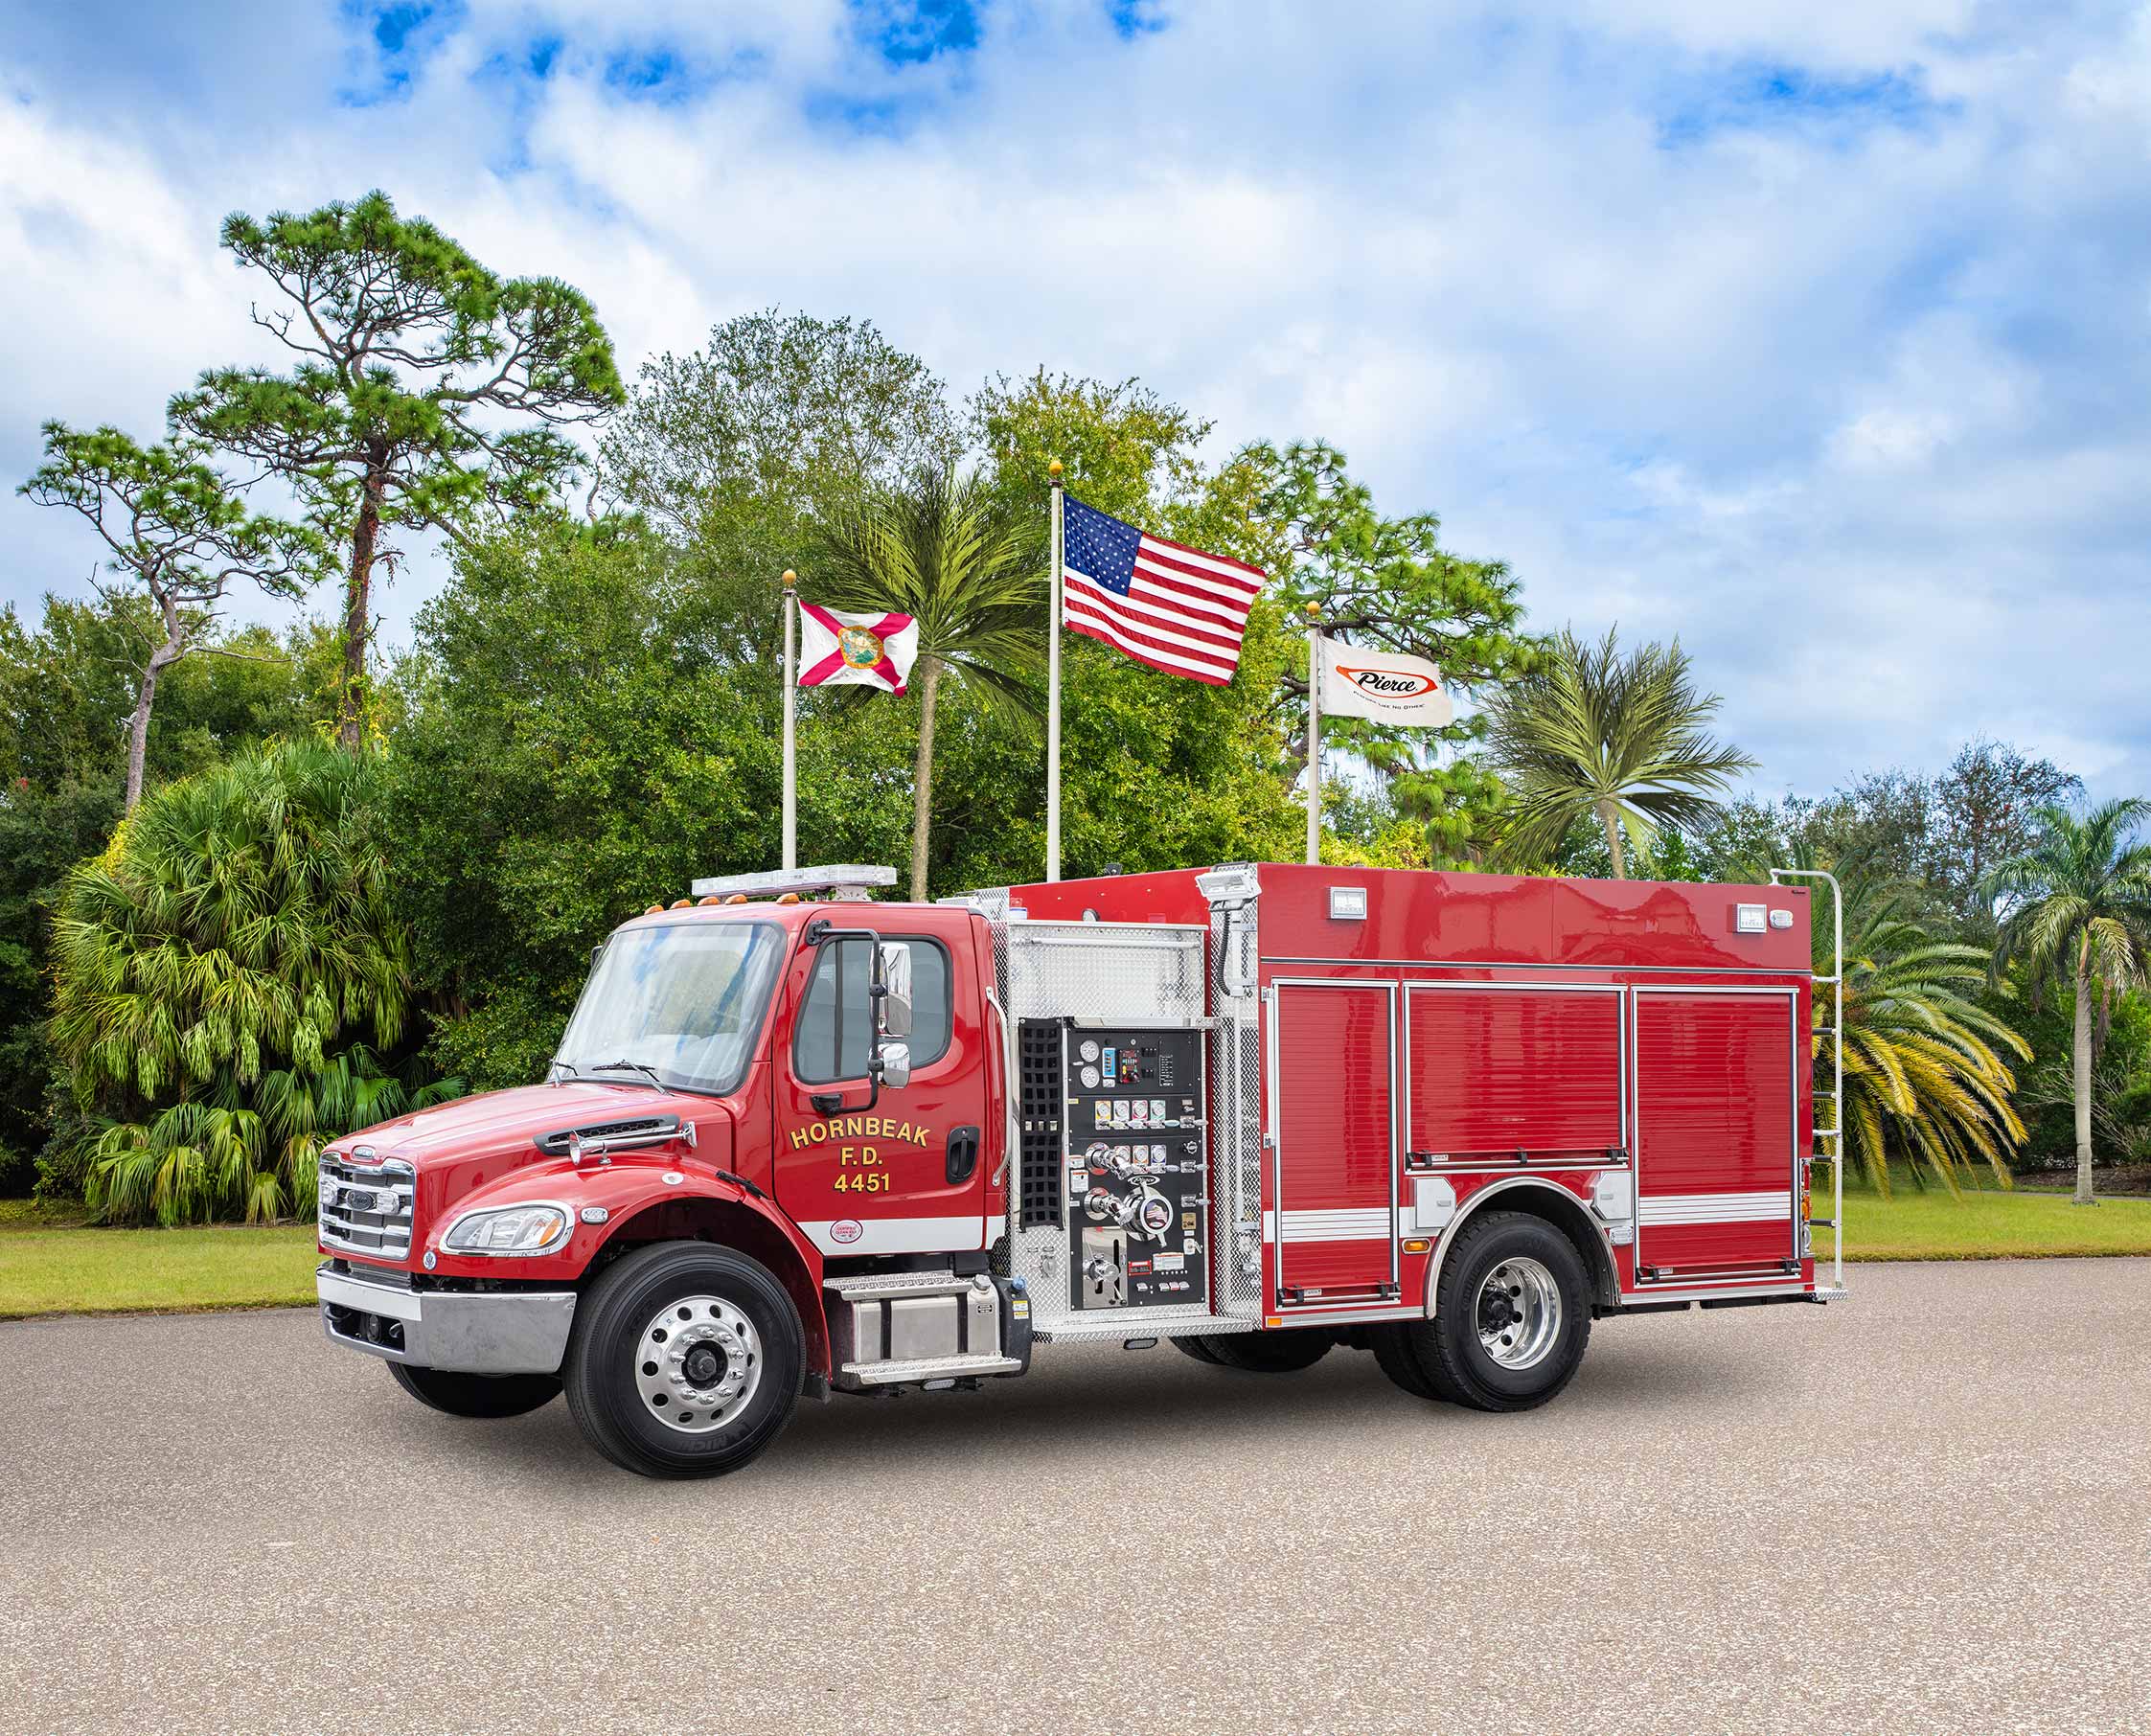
[[1336, 1230], [1714, 1128], [1500, 1070]]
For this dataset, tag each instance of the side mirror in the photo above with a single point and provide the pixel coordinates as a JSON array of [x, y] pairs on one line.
[[892, 967], [892, 1064]]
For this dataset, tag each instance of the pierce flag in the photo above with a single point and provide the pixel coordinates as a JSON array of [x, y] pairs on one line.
[[839, 648], [1386, 686]]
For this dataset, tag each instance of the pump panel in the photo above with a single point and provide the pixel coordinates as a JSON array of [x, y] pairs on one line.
[[1134, 1163]]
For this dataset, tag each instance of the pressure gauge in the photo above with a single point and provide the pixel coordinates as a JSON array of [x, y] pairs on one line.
[[1090, 1077], [1087, 1050]]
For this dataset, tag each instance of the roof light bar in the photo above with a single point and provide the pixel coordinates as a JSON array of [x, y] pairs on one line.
[[845, 882]]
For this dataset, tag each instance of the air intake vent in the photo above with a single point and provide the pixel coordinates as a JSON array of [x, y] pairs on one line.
[[1039, 1044], [611, 1136]]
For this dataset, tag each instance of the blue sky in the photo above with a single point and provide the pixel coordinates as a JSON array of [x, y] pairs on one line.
[[1818, 335]]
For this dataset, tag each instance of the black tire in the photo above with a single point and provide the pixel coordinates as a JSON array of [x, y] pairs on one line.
[[1198, 1346], [1395, 1355], [1448, 1349], [605, 1356], [476, 1395], [1285, 1352]]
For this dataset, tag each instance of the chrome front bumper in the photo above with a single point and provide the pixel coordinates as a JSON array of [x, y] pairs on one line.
[[500, 1331]]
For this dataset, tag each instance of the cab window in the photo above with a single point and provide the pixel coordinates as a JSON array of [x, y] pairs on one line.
[[835, 1030]]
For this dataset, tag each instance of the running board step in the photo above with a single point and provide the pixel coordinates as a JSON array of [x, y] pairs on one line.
[[880, 1286], [895, 1328], [925, 1368]]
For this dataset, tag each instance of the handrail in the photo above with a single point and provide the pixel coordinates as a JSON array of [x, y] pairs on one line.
[[1835, 1132], [1011, 1128]]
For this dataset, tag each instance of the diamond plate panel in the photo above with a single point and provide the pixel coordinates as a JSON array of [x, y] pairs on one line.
[[1126, 973], [1132, 973], [1123, 973], [1236, 1096]]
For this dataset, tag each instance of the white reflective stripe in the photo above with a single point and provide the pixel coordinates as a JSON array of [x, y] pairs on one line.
[[1341, 1224], [898, 1235], [1714, 1208]]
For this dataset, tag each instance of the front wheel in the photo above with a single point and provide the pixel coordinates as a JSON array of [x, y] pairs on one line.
[[476, 1395], [1512, 1315], [686, 1360]]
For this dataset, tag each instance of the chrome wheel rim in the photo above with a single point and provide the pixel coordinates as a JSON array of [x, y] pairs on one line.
[[1519, 1313], [698, 1365]]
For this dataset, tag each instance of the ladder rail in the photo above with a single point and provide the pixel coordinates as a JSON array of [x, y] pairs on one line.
[[1835, 1132]]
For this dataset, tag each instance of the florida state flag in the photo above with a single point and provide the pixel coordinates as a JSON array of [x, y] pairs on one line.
[[837, 648]]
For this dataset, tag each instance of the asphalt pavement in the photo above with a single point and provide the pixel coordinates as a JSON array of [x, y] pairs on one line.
[[1926, 1509]]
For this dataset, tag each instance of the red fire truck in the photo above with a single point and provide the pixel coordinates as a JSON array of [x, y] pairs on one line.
[[799, 1141]]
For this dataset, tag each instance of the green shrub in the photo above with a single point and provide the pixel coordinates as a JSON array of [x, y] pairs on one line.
[[228, 978]]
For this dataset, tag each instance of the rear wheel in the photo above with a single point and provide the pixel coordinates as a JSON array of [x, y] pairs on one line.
[[1198, 1346], [476, 1395], [1284, 1352], [1512, 1315], [1395, 1356], [686, 1360]]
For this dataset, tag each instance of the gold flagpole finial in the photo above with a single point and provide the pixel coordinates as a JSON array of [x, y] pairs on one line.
[[1053, 468], [791, 577], [1313, 611]]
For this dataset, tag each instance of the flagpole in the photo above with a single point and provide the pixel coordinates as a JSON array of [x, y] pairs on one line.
[[1313, 733], [791, 706], [1053, 692]]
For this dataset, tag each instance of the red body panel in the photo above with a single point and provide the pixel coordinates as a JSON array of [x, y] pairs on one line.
[[1519, 1002]]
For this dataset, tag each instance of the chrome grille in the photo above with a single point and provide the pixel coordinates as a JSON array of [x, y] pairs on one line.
[[366, 1207]]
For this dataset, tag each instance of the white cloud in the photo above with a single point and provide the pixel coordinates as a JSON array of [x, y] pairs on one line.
[[1815, 334]]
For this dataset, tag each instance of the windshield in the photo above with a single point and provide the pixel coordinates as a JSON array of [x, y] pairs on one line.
[[681, 1004]]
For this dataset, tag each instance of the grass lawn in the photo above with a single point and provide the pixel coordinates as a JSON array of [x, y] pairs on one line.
[[1980, 1224], [50, 1269], [51, 1264]]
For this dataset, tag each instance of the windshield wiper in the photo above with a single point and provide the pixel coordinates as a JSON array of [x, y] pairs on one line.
[[630, 1066]]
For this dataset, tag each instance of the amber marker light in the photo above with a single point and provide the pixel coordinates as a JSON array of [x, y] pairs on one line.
[[788, 897], [712, 898], [655, 910], [738, 897], [1417, 1244]]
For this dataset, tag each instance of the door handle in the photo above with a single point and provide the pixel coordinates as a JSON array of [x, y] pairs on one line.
[[962, 1154]]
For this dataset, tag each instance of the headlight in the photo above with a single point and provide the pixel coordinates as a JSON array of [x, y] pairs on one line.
[[509, 1230]]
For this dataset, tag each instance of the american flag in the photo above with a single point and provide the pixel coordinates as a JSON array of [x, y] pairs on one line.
[[1163, 604]]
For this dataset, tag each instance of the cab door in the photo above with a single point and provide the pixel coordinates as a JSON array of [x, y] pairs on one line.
[[907, 1171]]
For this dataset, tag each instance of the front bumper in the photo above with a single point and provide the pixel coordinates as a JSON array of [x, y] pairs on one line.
[[491, 1332]]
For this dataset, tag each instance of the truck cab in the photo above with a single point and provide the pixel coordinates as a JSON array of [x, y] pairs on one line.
[[798, 1142]]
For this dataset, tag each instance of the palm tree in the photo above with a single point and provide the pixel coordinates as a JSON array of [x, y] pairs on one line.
[[2078, 908], [214, 972], [944, 551], [1922, 1075], [1622, 738]]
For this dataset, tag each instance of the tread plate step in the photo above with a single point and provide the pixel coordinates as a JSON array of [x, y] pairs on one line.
[[867, 1287], [925, 1368]]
